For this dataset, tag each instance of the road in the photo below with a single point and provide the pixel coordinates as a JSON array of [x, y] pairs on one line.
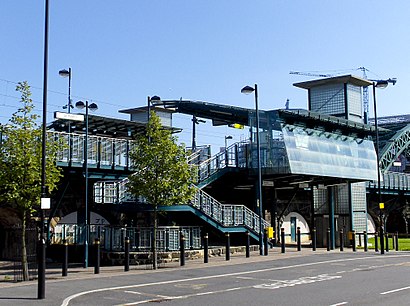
[[312, 279]]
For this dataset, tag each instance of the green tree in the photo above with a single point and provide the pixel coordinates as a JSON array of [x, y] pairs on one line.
[[163, 177], [20, 164]]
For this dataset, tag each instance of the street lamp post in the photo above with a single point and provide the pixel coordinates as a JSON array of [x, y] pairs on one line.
[[67, 73], [226, 149], [92, 107], [379, 84], [45, 202], [195, 121], [249, 90]]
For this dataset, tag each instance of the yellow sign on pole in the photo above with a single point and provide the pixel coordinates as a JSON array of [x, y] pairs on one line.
[[381, 205], [269, 231]]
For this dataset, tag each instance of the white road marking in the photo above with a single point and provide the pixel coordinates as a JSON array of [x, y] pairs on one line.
[[71, 297], [395, 290], [338, 304]]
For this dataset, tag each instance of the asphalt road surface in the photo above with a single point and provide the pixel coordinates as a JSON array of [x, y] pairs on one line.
[[312, 279]]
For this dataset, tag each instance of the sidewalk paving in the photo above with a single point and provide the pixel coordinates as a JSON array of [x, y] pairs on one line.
[[54, 271]]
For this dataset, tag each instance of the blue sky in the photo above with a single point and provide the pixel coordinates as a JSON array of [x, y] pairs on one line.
[[123, 51]]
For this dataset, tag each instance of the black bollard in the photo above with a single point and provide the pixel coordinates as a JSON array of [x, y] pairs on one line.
[[314, 239], [381, 240], [387, 242], [248, 243], [182, 249], [206, 248], [354, 241], [365, 240], [265, 242], [65, 259], [282, 239], [97, 256], [328, 239], [341, 238], [376, 242], [299, 242], [228, 247], [127, 254], [397, 241]]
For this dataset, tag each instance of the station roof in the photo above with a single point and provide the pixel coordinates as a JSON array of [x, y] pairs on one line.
[[106, 126], [226, 114], [344, 79]]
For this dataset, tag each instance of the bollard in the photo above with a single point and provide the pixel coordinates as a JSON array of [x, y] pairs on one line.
[[299, 243], [182, 249], [282, 239], [127, 254], [381, 240], [376, 242], [393, 236], [228, 247], [328, 239], [354, 240], [397, 241], [365, 240], [65, 259], [97, 256], [387, 242], [248, 243], [314, 239], [265, 242], [206, 254], [341, 240]]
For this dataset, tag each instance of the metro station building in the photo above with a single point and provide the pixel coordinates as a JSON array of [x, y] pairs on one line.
[[318, 167]]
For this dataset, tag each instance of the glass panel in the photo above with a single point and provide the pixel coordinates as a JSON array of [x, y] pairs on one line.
[[324, 154]]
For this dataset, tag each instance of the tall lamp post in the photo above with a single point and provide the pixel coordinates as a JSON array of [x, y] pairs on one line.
[[249, 90], [67, 73], [195, 121], [45, 202], [92, 107], [379, 84], [226, 149]]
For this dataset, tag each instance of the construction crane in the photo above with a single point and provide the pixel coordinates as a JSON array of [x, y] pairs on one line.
[[365, 89]]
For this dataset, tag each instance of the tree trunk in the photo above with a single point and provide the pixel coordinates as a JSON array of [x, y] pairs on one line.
[[24, 263], [154, 246]]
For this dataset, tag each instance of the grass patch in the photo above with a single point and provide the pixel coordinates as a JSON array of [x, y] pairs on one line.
[[404, 243]]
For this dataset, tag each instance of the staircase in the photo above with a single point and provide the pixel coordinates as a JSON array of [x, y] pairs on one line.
[[213, 168], [224, 217]]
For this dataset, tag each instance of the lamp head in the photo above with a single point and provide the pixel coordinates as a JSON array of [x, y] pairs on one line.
[[80, 105], [64, 73], [93, 107], [155, 99], [381, 84], [247, 90], [228, 137]]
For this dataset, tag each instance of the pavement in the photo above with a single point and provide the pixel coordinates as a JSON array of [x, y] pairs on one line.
[[75, 271]]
